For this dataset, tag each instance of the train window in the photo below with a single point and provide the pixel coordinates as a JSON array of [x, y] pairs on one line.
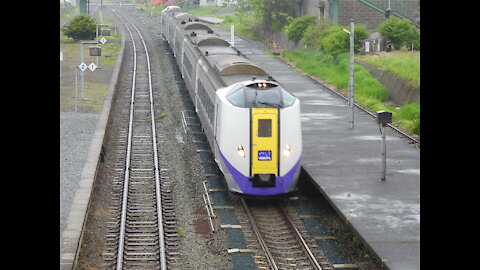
[[264, 127], [249, 97], [288, 99], [237, 98]]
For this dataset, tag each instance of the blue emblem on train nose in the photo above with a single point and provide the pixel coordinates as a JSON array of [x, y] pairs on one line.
[[264, 155]]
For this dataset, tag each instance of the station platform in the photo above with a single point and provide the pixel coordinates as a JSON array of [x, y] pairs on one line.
[[345, 164], [212, 20]]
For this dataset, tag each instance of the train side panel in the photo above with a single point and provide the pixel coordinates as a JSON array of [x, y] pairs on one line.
[[290, 138], [232, 132]]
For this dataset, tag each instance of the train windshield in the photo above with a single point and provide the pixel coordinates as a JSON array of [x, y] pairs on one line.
[[255, 97]]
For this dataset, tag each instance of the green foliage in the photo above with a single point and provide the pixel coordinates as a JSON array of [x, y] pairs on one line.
[[335, 42], [314, 33], [359, 32], [81, 27], [243, 24], [405, 64], [400, 32], [297, 27], [201, 10], [368, 91], [331, 38], [335, 70], [180, 231], [410, 111], [273, 14]]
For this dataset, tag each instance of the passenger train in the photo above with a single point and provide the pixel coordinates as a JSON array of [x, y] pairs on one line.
[[251, 122]]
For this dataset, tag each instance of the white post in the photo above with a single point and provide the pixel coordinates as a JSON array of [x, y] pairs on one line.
[[351, 99], [384, 152], [61, 59], [232, 36], [76, 88], [81, 74], [96, 38]]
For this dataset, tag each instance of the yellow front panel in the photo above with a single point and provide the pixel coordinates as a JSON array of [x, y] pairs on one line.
[[264, 156]]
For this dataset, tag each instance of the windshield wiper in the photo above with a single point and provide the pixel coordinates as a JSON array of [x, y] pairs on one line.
[[270, 104]]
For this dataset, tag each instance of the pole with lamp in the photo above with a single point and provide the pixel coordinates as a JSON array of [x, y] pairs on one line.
[[351, 98]]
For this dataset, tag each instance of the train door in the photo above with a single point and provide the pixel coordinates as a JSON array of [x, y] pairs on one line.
[[264, 134]]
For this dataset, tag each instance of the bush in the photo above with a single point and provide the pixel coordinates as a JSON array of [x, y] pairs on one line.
[[335, 42], [360, 32], [368, 91], [400, 32], [314, 33], [81, 27], [297, 27], [331, 38]]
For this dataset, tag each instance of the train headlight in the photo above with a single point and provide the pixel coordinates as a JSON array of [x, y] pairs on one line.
[[286, 150], [241, 151]]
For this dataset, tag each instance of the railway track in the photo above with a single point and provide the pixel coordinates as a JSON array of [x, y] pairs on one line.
[[141, 232], [282, 245]]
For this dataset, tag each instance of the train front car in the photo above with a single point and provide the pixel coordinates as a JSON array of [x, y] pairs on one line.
[[259, 140], [252, 124]]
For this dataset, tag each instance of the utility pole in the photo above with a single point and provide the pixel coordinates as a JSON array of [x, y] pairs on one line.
[[351, 98]]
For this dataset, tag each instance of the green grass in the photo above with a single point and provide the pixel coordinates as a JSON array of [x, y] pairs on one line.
[[335, 70], [150, 8], [95, 93], [202, 10], [243, 24], [403, 63], [369, 93]]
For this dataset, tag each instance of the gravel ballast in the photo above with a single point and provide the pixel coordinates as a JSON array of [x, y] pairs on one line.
[[76, 133]]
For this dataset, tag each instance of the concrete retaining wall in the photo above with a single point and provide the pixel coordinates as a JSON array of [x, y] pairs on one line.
[[400, 90]]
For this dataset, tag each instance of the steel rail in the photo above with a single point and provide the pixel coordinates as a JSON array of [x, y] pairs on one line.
[[127, 164], [263, 245], [127, 167], [155, 155], [311, 257]]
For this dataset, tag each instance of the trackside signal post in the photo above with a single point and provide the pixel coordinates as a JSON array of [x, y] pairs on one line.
[[384, 118]]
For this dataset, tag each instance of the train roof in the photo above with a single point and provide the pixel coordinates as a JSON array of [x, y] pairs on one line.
[[234, 65], [196, 25], [229, 65], [184, 16], [210, 40], [215, 50], [172, 9]]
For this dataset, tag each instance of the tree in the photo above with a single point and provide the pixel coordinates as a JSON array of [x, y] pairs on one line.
[[400, 32], [314, 33], [296, 29], [81, 27], [335, 42], [272, 14], [331, 38]]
